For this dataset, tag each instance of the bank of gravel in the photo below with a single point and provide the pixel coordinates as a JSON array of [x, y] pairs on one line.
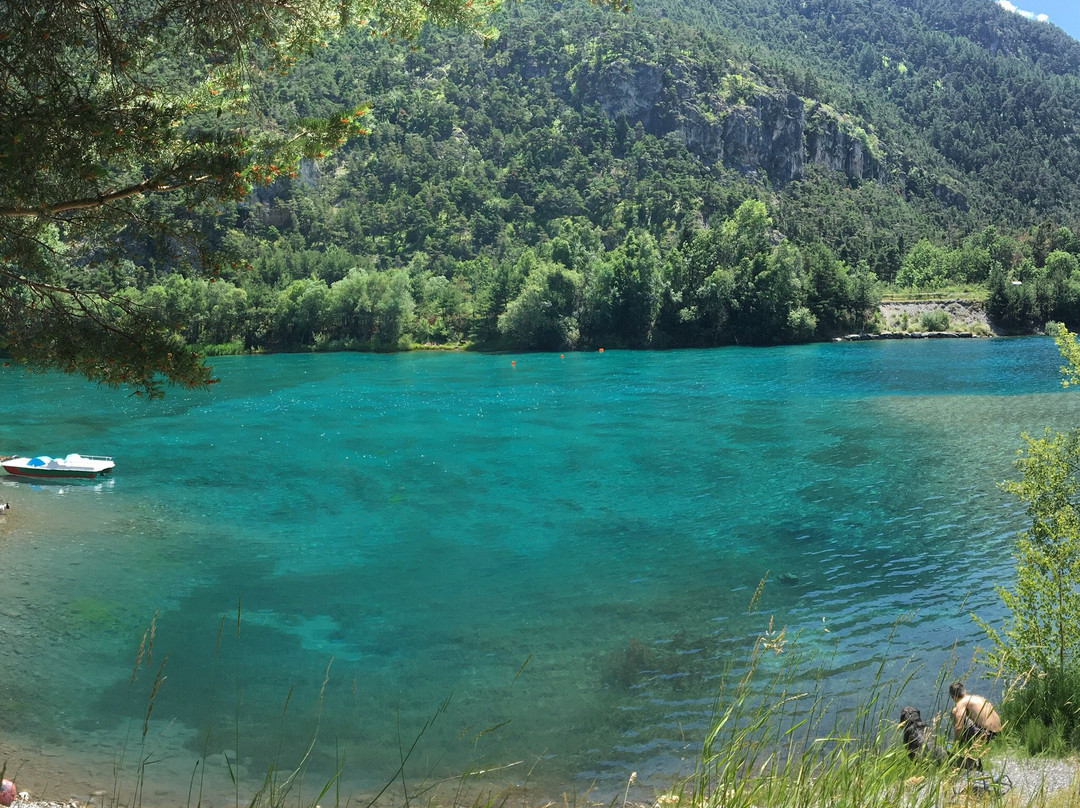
[[1030, 776]]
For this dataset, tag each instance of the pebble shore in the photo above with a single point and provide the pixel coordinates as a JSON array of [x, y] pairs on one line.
[[1029, 776]]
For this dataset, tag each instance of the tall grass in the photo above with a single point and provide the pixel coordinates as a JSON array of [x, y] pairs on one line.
[[775, 743], [776, 740], [1045, 712], [144, 757]]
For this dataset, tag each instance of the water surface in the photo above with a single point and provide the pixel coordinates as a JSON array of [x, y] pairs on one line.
[[549, 558]]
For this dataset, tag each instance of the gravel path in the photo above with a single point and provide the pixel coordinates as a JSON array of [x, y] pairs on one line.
[[1030, 775]]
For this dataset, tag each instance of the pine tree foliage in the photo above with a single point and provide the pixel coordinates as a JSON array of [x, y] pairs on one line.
[[106, 105]]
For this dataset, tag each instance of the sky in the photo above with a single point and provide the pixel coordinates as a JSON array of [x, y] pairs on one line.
[[1065, 14]]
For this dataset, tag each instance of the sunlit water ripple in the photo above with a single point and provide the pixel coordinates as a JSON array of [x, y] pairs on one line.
[[562, 551]]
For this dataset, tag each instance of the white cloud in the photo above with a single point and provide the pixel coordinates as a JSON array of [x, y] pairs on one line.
[[1031, 15]]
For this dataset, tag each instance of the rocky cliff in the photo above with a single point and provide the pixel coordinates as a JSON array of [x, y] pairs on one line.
[[739, 123]]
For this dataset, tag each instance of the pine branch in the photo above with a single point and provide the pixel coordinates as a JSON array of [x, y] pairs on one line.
[[153, 185]]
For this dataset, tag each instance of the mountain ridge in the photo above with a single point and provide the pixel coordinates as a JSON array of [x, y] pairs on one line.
[[588, 168]]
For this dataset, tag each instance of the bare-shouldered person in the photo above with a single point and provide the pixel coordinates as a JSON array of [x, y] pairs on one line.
[[974, 717]]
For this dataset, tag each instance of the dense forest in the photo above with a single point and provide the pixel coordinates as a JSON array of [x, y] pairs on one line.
[[697, 173]]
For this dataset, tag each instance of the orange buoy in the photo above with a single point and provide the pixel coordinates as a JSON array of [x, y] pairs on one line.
[[601, 350], [513, 363]]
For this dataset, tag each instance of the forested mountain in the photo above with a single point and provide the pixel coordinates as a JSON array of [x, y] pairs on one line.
[[698, 172]]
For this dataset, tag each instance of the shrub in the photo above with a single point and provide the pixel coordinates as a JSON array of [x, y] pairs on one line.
[[1040, 641], [1047, 711], [1036, 737], [801, 324], [937, 320], [231, 348]]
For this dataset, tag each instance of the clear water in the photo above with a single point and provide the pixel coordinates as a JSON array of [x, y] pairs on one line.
[[550, 559]]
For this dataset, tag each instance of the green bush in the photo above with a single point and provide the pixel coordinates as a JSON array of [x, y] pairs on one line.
[[801, 324], [1047, 712], [1038, 738], [937, 320], [1074, 737], [231, 348]]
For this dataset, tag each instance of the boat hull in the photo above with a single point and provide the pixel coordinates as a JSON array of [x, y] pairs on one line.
[[72, 467], [56, 474]]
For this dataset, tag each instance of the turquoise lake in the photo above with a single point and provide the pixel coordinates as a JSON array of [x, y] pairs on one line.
[[549, 558]]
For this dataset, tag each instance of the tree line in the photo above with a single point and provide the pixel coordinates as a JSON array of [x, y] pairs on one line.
[[495, 203], [555, 185], [739, 281]]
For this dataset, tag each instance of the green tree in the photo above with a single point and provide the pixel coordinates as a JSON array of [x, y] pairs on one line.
[[1013, 303], [227, 305], [370, 309], [1042, 636], [1045, 604], [694, 304], [393, 309], [776, 302], [924, 267], [622, 295], [544, 315], [710, 296], [106, 105], [300, 313], [442, 310], [840, 298]]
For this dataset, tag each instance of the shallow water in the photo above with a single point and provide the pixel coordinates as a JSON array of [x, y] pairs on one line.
[[550, 561]]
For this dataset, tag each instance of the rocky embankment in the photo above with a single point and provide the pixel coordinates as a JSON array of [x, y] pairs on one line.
[[903, 319]]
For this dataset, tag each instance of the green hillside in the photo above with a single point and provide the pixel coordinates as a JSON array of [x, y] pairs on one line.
[[690, 173]]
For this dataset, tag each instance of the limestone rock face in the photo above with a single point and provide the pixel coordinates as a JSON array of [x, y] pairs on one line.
[[631, 90], [827, 143], [762, 131], [763, 135]]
